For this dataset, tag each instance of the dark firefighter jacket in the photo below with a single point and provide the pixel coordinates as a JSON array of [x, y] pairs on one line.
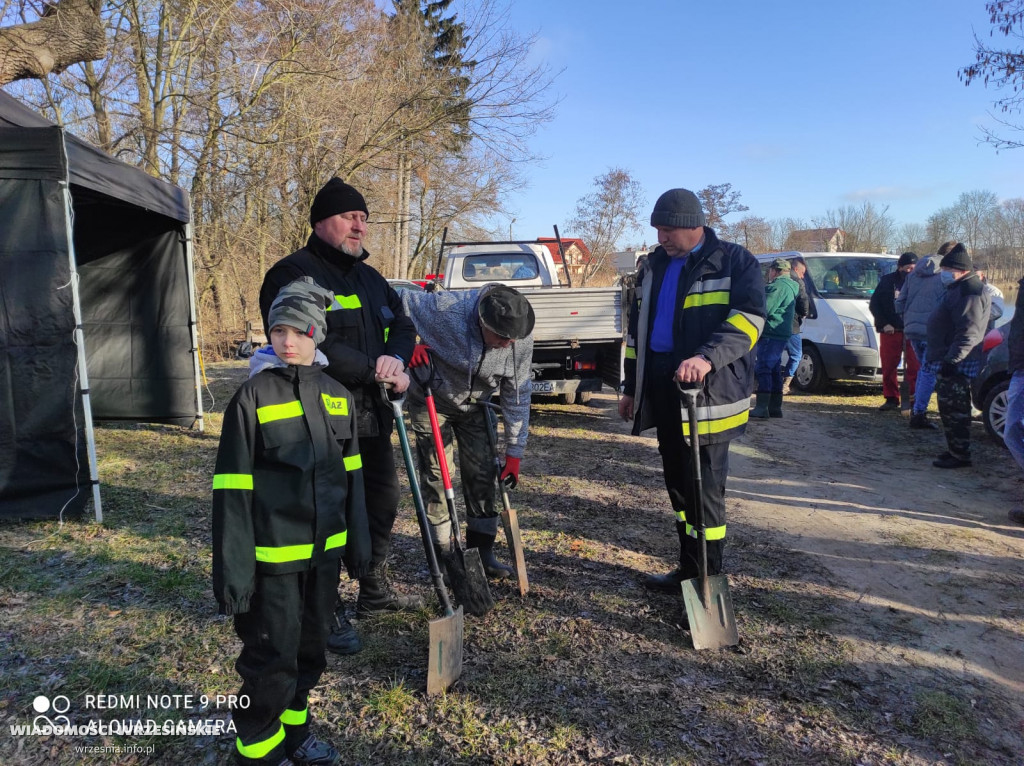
[[287, 489], [366, 321], [720, 314]]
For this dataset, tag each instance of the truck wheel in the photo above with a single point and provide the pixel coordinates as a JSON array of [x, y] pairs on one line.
[[582, 397], [569, 398], [810, 375], [993, 411]]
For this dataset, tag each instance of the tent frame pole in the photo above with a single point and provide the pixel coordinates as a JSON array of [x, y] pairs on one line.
[[193, 321], [83, 373]]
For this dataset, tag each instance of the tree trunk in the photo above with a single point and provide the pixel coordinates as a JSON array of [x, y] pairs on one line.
[[68, 33]]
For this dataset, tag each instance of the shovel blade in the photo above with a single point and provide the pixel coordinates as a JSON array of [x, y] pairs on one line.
[[510, 521], [445, 663], [712, 624]]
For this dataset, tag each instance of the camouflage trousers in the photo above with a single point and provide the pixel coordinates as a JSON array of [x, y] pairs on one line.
[[954, 396]]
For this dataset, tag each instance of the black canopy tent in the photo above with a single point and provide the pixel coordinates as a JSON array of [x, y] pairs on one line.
[[97, 310]]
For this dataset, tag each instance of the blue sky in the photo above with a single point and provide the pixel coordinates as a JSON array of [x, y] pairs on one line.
[[802, 106]]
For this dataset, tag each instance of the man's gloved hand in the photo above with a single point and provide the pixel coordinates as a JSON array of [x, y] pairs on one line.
[[510, 472], [947, 369], [420, 355]]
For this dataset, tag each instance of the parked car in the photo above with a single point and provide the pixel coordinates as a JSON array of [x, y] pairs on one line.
[[405, 284], [989, 388]]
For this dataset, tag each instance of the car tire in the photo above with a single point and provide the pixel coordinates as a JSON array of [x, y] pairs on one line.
[[569, 398], [993, 410], [582, 397], [810, 373]]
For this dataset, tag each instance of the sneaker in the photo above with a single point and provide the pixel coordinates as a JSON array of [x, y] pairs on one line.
[[920, 420], [343, 638], [313, 752], [1016, 515], [947, 460], [891, 403]]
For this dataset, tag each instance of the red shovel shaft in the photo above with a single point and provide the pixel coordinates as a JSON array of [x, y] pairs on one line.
[[435, 427]]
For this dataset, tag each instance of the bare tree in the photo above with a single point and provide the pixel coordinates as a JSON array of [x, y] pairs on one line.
[[718, 201], [67, 32], [755, 234], [868, 229], [605, 216]]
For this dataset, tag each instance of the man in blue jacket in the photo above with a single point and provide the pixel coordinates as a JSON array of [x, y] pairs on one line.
[[699, 312]]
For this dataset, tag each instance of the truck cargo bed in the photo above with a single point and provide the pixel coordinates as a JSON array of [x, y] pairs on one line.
[[583, 314]]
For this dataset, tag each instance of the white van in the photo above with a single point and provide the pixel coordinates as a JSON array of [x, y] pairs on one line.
[[839, 337]]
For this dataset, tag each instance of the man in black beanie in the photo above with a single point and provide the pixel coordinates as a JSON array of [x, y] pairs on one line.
[[889, 323], [369, 340], [955, 331], [700, 311]]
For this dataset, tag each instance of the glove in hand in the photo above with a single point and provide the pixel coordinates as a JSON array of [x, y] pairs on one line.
[[510, 472], [947, 369], [420, 355]]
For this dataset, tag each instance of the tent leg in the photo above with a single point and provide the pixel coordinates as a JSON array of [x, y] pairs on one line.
[[196, 360]]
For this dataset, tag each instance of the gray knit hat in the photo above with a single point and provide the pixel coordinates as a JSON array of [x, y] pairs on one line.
[[302, 304], [679, 208]]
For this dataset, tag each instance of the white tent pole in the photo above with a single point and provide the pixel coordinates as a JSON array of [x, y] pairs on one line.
[[193, 327], [83, 374]]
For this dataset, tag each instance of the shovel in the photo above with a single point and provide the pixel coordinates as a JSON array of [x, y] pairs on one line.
[[708, 600], [465, 569], [444, 665], [509, 517]]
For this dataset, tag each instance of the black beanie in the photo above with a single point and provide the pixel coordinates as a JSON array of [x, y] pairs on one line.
[[957, 258], [336, 197], [907, 259], [679, 208], [506, 312]]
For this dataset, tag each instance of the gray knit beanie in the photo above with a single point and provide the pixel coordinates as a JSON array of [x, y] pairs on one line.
[[679, 208], [302, 304]]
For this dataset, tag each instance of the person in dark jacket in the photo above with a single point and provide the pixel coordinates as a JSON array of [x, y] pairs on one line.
[[889, 323], [288, 505], [801, 310], [369, 340], [955, 331], [1013, 433], [780, 307], [699, 312]]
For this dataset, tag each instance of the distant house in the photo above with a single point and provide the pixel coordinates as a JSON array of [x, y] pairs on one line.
[[829, 240], [577, 256]]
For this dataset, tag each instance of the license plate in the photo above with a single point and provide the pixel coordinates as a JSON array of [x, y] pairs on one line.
[[543, 386]]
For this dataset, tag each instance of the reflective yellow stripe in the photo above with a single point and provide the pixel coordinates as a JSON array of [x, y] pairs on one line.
[[259, 749], [681, 516], [284, 553], [630, 353], [387, 330], [232, 481], [744, 325], [354, 463], [345, 302], [336, 405], [716, 298], [294, 717], [711, 533], [717, 426], [273, 412], [336, 541]]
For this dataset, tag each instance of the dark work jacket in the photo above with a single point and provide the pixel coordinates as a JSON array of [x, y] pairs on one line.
[[958, 324], [287, 488], [366, 321], [802, 307], [1015, 339], [720, 313], [883, 301]]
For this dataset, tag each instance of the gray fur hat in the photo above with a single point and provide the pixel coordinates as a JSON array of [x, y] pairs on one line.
[[302, 304], [679, 208]]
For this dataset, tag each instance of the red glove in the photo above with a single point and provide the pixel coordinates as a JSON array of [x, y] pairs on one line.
[[510, 472], [420, 355]]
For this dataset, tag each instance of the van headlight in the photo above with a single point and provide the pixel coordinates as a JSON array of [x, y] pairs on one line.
[[854, 331]]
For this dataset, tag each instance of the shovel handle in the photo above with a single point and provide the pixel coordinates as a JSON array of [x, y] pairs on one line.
[[689, 397]]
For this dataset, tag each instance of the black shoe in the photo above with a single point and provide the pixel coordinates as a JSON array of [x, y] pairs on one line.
[[666, 583], [376, 595], [951, 461], [313, 752], [891, 403], [343, 638], [920, 420]]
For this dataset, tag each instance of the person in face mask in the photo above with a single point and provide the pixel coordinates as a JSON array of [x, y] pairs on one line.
[[955, 331]]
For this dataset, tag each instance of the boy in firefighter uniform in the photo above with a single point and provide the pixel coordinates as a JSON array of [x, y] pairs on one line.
[[288, 503]]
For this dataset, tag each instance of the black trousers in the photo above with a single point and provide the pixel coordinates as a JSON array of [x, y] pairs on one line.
[[677, 466], [283, 638], [380, 479]]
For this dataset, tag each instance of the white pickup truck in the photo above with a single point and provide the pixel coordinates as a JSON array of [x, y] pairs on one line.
[[577, 341]]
